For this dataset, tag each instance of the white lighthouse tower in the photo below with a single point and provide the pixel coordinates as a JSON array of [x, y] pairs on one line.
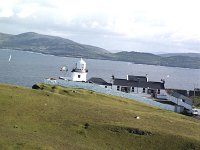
[[79, 73]]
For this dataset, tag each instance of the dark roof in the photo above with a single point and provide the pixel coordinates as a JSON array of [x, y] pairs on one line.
[[98, 81], [122, 82], [143, 84], [137, 78], [180, 96], [156, 85]]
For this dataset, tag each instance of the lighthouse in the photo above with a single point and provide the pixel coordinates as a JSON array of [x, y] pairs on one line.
[[79, 72]]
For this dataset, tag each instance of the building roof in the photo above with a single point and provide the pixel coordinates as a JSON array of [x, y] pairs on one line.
[[122, 82], [137, 78], [142, 84], [98, 81], [156, 85]]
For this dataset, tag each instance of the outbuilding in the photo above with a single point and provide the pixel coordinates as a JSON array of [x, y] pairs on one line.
[[100, 82]]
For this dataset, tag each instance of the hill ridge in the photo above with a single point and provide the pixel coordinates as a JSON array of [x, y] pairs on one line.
[[54, 45]]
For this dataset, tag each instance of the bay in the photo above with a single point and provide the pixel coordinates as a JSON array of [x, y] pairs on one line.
[[27, 68]]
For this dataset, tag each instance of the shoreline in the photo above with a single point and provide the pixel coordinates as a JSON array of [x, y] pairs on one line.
[[71, 56]]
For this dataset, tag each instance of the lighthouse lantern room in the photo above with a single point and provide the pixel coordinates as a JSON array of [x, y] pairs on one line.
[[79, 72]]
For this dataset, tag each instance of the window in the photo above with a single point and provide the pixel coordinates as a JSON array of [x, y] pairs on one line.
[[143, 90], [79, 76], [132, 89], [123, 89], [82, 66], [118, 88], [158, 91]]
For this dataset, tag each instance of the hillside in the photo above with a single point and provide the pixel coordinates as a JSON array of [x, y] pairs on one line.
[[46, 44], [58, 46], [180, 54], [151, 59], [137, 57], [196, 101], [4, 37], [181, 61], [53, 117]]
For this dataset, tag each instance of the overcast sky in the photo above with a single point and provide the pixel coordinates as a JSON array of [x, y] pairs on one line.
[[130, 25]]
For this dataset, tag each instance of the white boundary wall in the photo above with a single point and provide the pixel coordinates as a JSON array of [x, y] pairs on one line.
[[96, 88], [179, 102]]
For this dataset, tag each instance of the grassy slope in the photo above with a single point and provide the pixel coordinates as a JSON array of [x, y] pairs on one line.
[[196, 101], [56, 118]]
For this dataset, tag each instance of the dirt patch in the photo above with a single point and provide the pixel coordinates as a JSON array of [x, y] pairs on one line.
[[130, 131], [86, 125], [138, 131]]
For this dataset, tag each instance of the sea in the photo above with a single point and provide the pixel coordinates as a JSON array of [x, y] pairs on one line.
[[28, 68]]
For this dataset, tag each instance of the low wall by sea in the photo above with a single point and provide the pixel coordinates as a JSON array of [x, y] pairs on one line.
[[96, 88]]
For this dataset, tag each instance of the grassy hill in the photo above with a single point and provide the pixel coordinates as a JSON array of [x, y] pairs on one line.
[[196, 101], [53, 117]]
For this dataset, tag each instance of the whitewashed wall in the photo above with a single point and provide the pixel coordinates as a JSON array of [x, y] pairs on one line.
[[104, 86], [82, 76], [178, 102]]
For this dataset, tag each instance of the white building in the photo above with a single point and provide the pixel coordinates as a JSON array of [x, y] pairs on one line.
[[139, 84], [79, 72]]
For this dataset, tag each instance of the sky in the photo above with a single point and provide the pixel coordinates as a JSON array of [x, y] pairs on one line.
[[156, 26]]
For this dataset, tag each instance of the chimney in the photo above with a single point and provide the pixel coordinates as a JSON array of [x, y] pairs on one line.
[[163, 81], [113, 77]]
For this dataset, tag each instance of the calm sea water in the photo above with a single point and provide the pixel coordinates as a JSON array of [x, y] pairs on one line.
[[26, 69]]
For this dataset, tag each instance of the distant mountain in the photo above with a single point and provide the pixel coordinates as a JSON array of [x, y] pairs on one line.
[[34, 42], [58, 46], [4, 37], [181, 54], [151, 59], [137, 57], [181, 61]]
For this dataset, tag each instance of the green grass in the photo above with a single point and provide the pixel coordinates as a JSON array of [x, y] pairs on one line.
[[196, 101], [56, 118]]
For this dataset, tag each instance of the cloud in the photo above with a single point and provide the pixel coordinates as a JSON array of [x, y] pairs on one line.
[[156, 25]]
